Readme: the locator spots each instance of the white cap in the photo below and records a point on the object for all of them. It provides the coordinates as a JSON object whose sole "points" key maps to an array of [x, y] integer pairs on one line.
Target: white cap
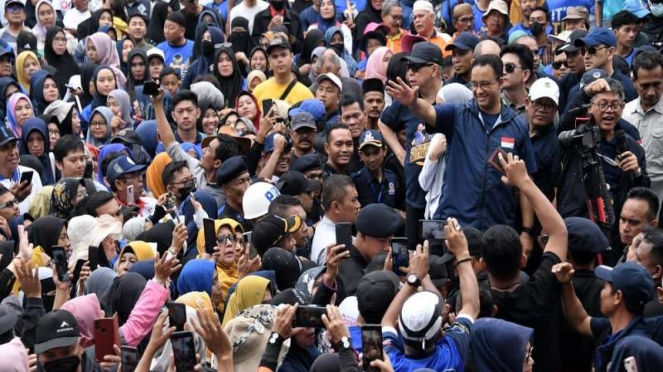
{"points": [[420, 318], [156, 52], [563, 37], [257, 198], [423, 5], [332, 77], [544, 88]]}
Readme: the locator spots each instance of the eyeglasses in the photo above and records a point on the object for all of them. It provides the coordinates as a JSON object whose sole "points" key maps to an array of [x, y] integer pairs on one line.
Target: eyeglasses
{"points": [[9, 204], [93, 124], [466, 19], [592, 50], [484, 85], [509, 68], [543, 107], [185, 181], [223, 239], [415, 67], [603, 107], [558, 64], [53, 132]]}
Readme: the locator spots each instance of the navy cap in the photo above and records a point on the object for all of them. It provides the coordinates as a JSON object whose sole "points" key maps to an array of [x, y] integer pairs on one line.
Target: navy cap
{"points": [[269, 143], [375, 292], [570, 45], [591, 76], [597, 36], [302, 120], [378, 221], [585, 236], [6, 136], [372, 85], [294, 183], [425, 52], [232, 168], [370, 138], [278, 42], [120, 166], [306, 163], [464, 41], [6, 49], [474, 238], [632, 279]]}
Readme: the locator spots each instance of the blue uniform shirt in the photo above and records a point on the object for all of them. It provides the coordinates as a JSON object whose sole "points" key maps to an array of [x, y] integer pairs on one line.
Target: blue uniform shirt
{"points": [[371, 190]]}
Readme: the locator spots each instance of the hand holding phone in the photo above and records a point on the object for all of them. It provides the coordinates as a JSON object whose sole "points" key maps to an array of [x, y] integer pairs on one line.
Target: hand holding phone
{"points": [[184, 351], [400, 255], [494, 160], [130, 195], [151, 88], [210, 236], [26, 176], [93, 257], [432, 229], [371, 339], [60, 260], [344, 235], [105, 336], [129, 357], [176, 315], [267, 107], [309, 316]]}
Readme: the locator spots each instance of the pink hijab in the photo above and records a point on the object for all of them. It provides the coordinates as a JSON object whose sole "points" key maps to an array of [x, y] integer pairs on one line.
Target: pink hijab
{"points": [[375, 69], [85, 309], [14, 356], [107, 50]]}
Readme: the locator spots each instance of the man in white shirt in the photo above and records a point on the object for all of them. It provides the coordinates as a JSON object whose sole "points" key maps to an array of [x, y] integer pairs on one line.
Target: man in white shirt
{"points": [[646, 113], [11, 173], [248, 9], [74, 16]]}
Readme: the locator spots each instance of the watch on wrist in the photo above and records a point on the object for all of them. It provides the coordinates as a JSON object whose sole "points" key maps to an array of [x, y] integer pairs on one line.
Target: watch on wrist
{"points": [[344, 343], [413, 280]]}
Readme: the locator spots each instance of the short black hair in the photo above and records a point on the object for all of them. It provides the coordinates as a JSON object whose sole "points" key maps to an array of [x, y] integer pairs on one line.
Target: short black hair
{"points": [[185, 95], [654, 236], [525, 56], [502, 251], [493, 61], [350, 99], [3, 190], [67, 144], [623, 18], [648, 196], [96, 200], [227, 148], [169, 71], [646, 61], [333, 189], [544, 10], [333, 128], [281, 204], [168, 175]]}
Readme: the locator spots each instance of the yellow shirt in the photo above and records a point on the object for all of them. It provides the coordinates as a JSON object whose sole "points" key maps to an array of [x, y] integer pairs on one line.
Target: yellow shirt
{"points": [[269, 89]]}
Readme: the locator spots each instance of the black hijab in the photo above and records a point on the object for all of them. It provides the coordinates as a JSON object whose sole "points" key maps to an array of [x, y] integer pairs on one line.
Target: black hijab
{"points": [[313, 38], [87, 73], [241, 41], [230, 86], [155, 30], [45, 232], [64, 64], [5, 82], [123, 295], [132, 83], [161, 233]]}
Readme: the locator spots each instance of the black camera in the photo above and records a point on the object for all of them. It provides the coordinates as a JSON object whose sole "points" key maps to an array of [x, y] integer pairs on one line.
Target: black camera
{"points": [[586, 135]]}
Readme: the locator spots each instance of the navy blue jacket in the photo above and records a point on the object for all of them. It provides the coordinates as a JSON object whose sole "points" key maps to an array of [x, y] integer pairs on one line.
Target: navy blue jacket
{"points": [[610, 342]]}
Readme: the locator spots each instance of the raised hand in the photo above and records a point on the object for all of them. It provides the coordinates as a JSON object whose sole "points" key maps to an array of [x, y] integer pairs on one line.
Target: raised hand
{"points": [[402, 92]]}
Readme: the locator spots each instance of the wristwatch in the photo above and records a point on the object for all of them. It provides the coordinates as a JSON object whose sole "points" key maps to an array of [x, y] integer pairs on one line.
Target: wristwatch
{"points": [[344, 343], [413, 280]]}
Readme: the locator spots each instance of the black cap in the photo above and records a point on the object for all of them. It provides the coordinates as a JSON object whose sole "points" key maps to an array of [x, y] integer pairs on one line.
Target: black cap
{"points": [[285, 264], [56, 329], [375, 292], [290, 296], [438, 271], [269, 231], [294, 183], [7, 322], [232, 168], [570, 45], [585, 236], [278, 42], [306, 163], [178, 18], [372, 85], [425, 52], [378, 220], [464, 41], [6, 136]]}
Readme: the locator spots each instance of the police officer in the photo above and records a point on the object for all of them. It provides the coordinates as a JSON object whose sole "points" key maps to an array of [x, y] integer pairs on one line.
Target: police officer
{"points": [[233, 178]]}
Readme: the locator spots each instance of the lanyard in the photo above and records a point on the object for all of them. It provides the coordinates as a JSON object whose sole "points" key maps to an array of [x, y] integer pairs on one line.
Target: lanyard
{"points": [[379, 195]]}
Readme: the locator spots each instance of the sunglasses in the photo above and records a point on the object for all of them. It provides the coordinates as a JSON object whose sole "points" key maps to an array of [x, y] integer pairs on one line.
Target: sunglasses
{"points": [[557, 65], [509, 68], [592, 50]]}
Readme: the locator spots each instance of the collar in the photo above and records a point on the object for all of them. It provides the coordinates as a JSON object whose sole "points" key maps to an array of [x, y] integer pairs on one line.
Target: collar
{"points": [[370, 177], [15, 176], [658, 107], [398, 36]]}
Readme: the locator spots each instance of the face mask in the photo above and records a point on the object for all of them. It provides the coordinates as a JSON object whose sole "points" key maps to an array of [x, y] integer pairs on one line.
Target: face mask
{"points": [[208, 48], [536, 28], [186, 190], [656, 9], [278, 5], [63, 365], [338, 48]]}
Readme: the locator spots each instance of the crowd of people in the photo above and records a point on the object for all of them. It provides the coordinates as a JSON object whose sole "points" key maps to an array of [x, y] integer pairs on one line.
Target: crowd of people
{"points": [[295, 186]]}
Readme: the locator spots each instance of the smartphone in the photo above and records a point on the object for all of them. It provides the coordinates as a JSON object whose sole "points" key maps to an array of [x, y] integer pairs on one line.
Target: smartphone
{"points": [[371, 340], [129, 358], [630, 364], [344, 234], [88, 170], [151, 88], [247, 237], [93, 257], [77, 271], [210, 236], [494, 160], [60, 259], [184, 350], [176, 315], [130, 195], [432, 229], [309, 316], [105, 336], [400, 256], [26, 177], [267, 106]]}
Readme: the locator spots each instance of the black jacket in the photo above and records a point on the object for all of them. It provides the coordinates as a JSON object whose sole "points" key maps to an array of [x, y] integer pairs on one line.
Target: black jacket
{"points": [[290, 21], [350, 273]]}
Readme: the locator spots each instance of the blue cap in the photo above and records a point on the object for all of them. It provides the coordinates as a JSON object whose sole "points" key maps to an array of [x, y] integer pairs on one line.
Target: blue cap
{"points": [[120, 166], [592, 75], [636, 7], [370, 137], [635, 282], [306, 163], [6, 49], [312, 106], [585, 236], [464, 41], [232, 168], [598, 36], [269, 143], [378, 220]]}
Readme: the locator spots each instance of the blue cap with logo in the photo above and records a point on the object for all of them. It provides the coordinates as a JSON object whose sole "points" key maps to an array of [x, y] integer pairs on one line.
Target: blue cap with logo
{"points": [[370, 137], [120, 166], [598, 36], [6, 136], [635, 282]]}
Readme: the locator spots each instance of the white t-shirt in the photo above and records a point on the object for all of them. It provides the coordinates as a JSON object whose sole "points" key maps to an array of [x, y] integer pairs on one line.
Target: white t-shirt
{"points": [[242, 10], [73, 17]]}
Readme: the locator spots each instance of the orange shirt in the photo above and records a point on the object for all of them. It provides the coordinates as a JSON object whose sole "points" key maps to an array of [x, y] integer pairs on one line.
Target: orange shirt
{"points": [[394, 42], [439, 41]]}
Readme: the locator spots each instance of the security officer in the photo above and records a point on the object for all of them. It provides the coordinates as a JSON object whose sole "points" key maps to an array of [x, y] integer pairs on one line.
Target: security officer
{"points": [[233, 178], [374, 183], [311, 167]]}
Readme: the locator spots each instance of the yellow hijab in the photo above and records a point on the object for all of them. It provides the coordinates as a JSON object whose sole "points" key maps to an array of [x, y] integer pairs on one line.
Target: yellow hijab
{"points": [[154, 172], [197, 300], [141, 249], [249, 292], [20, 60]]}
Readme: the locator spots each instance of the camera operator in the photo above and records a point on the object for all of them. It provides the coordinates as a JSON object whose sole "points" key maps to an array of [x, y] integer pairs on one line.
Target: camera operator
{"points": [[622, 159]]}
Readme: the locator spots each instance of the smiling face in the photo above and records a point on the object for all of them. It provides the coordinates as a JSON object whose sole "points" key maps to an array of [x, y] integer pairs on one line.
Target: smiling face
{"points": [[9, 157], [259, 61], [486, 87], [98, 126], [225, 246], [608, 117], [246, 107], [340, 147], [23, 111], [210, 121]]}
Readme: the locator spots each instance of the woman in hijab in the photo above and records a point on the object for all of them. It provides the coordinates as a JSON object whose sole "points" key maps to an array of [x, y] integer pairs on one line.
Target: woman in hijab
{"points": [[247, 107], [43, 90], [66, 193], [119, 103], [455, 93], [132, 253], [225, 69], [378, 61], [44, 233], [105, 82], [45, 19], [19, 110], [87, 74], [210, 36], [327, 18], [65, 116], [100, 49], [136, 72], [210, 116], [314, 38], [154, 172], [160, 11], [258, 60], [8, 86], [35, 142], [124, 47], [254, 79], [99, 130], [100, 282], [200, 276], [57, 56], [251, 290], [27, 64], [335, 38], [501, 346]]}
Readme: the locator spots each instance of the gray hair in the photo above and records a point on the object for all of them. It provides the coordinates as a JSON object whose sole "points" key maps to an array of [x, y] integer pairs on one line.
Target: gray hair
{"points": [[333, 58], [388, 6]]}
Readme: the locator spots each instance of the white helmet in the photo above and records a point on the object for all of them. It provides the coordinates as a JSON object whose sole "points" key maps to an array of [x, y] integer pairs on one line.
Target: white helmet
{"points": [[257, 198]]}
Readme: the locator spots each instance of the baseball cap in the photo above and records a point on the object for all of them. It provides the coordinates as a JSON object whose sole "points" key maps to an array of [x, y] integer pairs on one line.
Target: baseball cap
{"points": [[585, 236], [269, 143], [370, 138], [332, 77], [375, 292], [378, 220], [7, 322], [6, 136], [419, 319], [592, 75], [155, 52], [425, 52], [474, 238], [570, 45], [576, 12], [294, 183], [14, 2], [278, 43], [631, 278], [464, 41], [6, 49], [302, 120], [58, 328], [561, 37], [306, 163], [637, 7], [597, 36], [269, 231], [423, 5], [312, 106], [120, 166], [438, 271], [544, 88]]}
